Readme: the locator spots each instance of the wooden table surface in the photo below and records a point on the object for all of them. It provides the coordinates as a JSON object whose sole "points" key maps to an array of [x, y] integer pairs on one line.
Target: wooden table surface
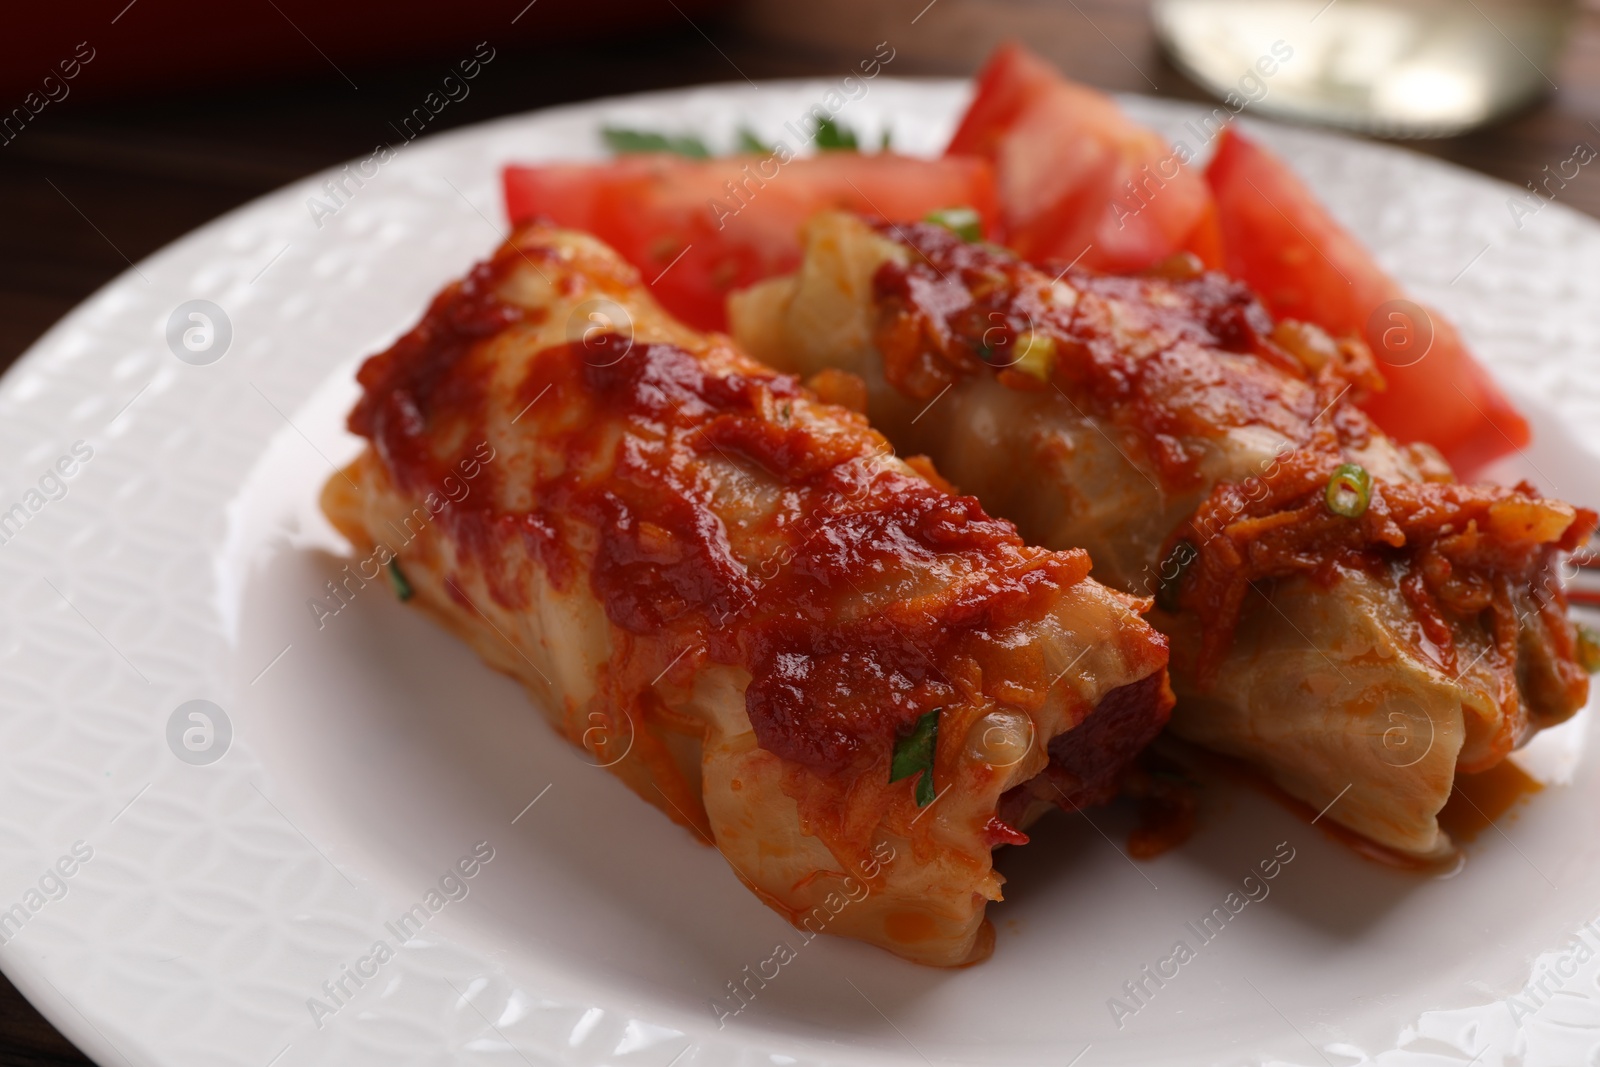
{"points": [[90, 189]]}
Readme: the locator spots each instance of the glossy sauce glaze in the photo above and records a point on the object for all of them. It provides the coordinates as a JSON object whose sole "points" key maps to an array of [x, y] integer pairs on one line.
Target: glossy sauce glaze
{"points": [[832, 685], [737, 600], [824, 686], [957, 308], [1177, 357]]}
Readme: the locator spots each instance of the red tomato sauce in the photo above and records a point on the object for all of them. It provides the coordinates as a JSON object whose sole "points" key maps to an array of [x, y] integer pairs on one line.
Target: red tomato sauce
{"points": [[846, 642], [960, 308], [1175, 357]]}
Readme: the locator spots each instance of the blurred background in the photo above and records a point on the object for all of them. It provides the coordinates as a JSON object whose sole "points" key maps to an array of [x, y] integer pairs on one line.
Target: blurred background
{"points": [[123, 125]]}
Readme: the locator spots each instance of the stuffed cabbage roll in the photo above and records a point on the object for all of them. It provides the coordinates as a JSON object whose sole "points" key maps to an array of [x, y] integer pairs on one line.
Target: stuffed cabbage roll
{"points": [[851, 681], [1344, 615]]}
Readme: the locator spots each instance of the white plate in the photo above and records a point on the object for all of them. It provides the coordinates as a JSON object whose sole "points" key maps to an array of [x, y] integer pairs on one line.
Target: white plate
{"points": [[371, 754]]}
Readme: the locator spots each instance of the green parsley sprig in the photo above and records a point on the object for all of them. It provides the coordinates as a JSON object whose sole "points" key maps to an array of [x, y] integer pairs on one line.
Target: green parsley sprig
{"points": [[913, 754]]}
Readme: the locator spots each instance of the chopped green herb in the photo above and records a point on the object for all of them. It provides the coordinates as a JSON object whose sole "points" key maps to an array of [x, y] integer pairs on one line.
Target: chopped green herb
{"points": [[1173, 569], [964, 222], [1588, 649], [1349, 490], [749, 142], [397, 579], [913, 754], [832, 137], [626, 142]]}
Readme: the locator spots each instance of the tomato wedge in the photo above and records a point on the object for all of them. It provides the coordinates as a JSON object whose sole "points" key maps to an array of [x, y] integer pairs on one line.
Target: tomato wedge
{"points": [[1076, 176], [1280, 241], [700, 228]]}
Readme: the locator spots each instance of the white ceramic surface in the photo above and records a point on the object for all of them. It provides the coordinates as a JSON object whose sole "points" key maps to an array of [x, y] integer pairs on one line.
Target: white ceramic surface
{"points": [[370, 754]]}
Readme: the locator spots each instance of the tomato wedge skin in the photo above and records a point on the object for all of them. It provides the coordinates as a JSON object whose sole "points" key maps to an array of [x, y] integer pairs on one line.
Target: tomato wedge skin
{"points": [[698, 229], [1078, 180], [1279, 240]]}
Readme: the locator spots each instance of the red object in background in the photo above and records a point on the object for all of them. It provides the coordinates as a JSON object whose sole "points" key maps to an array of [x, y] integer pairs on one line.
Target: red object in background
{"points": [[662, 214], [1075, 173], [185, 45], [1282, 242]]}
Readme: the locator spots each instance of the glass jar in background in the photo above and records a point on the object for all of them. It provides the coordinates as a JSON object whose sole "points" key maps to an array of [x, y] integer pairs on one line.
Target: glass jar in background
{"points": [[1395, 68]]}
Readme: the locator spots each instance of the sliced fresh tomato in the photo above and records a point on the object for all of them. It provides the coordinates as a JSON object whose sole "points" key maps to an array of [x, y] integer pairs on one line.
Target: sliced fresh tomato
{"points": [[700, 228], [1076, 176], [1282, 242]]}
